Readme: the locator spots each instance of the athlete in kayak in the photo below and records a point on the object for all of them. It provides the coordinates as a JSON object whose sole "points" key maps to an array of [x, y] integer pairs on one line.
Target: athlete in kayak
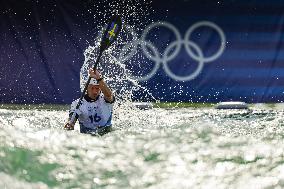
{"points": [[95, 112]]}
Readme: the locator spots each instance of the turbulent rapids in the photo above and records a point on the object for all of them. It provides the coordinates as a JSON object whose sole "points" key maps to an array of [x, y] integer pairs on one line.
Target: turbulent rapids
{"points": [[157, 148]]}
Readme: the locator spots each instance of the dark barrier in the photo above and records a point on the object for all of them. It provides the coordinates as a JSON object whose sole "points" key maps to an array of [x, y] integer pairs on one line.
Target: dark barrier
{"points": [[200, 51]]}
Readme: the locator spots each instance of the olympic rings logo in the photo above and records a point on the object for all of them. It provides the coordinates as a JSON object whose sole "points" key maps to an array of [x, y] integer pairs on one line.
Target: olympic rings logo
{"points": [[172, 50]]}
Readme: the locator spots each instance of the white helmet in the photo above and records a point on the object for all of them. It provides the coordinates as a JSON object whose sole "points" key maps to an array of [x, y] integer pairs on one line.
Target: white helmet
{"points": [[93, 81]]}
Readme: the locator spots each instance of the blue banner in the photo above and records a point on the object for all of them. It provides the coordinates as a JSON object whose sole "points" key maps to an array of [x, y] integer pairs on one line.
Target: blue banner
{"points": [[199, 51]]}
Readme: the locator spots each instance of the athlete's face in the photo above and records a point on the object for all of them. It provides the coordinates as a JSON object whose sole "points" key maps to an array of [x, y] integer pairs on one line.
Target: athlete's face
{"points": [[93, 91]]}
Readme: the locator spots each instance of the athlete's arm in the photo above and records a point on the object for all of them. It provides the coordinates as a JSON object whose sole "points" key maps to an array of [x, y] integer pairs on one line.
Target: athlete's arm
{"points": [[106, 91], [70, 124], [73, 116]]}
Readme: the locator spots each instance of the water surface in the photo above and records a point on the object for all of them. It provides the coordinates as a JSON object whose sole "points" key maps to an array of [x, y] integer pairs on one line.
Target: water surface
{"points": [[157, 148]]}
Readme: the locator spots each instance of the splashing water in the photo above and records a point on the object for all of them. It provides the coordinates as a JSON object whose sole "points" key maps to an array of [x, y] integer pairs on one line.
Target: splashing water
{"points": [[115, 72]]}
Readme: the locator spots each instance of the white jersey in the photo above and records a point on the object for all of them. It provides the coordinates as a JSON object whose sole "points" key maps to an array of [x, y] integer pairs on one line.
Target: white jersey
{"points": [[93, 113]]}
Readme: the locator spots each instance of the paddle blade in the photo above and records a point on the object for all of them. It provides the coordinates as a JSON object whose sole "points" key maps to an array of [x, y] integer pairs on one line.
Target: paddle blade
{"points": [[111, 32]]}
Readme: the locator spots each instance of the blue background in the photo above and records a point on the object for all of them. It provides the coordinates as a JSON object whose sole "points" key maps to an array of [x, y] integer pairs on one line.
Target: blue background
{"points": [[42, 46]]}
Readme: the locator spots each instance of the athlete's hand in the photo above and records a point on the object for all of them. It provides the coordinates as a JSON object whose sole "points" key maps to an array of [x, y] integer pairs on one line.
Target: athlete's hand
{"points": [[69, 126], [94, 74]]}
